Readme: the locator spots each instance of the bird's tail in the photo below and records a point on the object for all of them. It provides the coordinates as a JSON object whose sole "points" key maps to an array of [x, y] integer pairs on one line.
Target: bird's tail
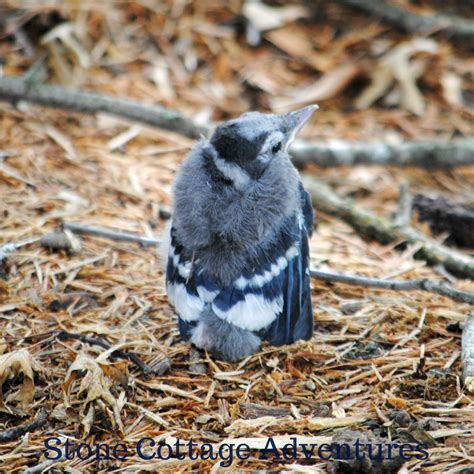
{"points": [[223, 339]]}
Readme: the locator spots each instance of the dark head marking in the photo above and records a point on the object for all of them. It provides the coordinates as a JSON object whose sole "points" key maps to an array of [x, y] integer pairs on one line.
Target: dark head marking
{"points": [[232, 143]]}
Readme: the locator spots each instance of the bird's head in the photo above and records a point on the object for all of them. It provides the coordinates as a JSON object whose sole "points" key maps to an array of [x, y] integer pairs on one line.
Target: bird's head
{"points": [[245, 147]]}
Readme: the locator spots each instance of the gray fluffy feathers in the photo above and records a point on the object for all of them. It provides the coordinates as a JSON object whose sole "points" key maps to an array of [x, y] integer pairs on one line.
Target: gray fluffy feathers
{"points": [[222, 226]]}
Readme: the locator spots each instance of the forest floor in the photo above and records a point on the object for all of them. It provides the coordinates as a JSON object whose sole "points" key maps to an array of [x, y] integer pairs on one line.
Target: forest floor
{"points": [[380, 362]]}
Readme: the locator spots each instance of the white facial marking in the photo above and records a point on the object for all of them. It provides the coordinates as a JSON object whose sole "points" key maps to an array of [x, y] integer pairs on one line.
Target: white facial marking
{"points": [[233, 172]]}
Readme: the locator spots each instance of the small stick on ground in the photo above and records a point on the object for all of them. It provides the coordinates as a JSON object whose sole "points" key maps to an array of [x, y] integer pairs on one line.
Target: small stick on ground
{"points": [[145, 368], [378, 228], [468, 354], [424, 154], [421, 284], [451, 26], [14, 89], [53, 241], [15, 433], [405, 202], [109, 234], [10, 247], [409, 285]]}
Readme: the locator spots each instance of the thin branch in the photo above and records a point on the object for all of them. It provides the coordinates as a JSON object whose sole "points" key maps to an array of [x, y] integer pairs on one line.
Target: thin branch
{"points": [[145, 368], [10, 247], [14, 89], [424, 154], [120, 236], [468, 353], [53, 241], [15, 433], [334, 153], [421, 284], [381, 229], [405, 202], [451, 26]]}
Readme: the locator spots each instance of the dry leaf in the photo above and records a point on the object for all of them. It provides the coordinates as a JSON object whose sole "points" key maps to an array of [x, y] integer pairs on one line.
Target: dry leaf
{"points": [[96, 386], [117, 371], [396, 67], [14, 363], [328, 86]]}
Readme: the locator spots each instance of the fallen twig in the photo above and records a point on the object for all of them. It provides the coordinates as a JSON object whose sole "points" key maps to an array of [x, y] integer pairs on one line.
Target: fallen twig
{"points": [[405, 202], [420, 284], [423, 284], [145, 368], [10, 247], [424, 154], [14, 89], [451, 26], [333, 153], [109, 234], [468, 353], [381, 229], [52, 241], [15, 433]]}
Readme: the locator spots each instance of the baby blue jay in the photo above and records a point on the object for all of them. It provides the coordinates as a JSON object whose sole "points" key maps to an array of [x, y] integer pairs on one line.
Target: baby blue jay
{"points": [[238, 260]]}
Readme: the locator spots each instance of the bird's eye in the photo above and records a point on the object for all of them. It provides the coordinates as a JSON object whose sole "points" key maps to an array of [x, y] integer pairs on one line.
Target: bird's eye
{"points": [[276, 148]]}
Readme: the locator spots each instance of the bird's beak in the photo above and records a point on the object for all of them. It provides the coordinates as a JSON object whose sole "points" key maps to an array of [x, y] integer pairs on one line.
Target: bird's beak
{"points": [[293, 122]]}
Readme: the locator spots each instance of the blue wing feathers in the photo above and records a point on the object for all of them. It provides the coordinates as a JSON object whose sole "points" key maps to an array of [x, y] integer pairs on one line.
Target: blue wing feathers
{"points": [[289, 297]]}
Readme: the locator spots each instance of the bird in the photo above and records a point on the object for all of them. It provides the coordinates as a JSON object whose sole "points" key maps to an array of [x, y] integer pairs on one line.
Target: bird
{"points": [[237, 267]]}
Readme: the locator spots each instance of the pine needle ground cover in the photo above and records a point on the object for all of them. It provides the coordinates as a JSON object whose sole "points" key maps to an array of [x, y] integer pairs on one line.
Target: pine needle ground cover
{"points": [[89, 347]]}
